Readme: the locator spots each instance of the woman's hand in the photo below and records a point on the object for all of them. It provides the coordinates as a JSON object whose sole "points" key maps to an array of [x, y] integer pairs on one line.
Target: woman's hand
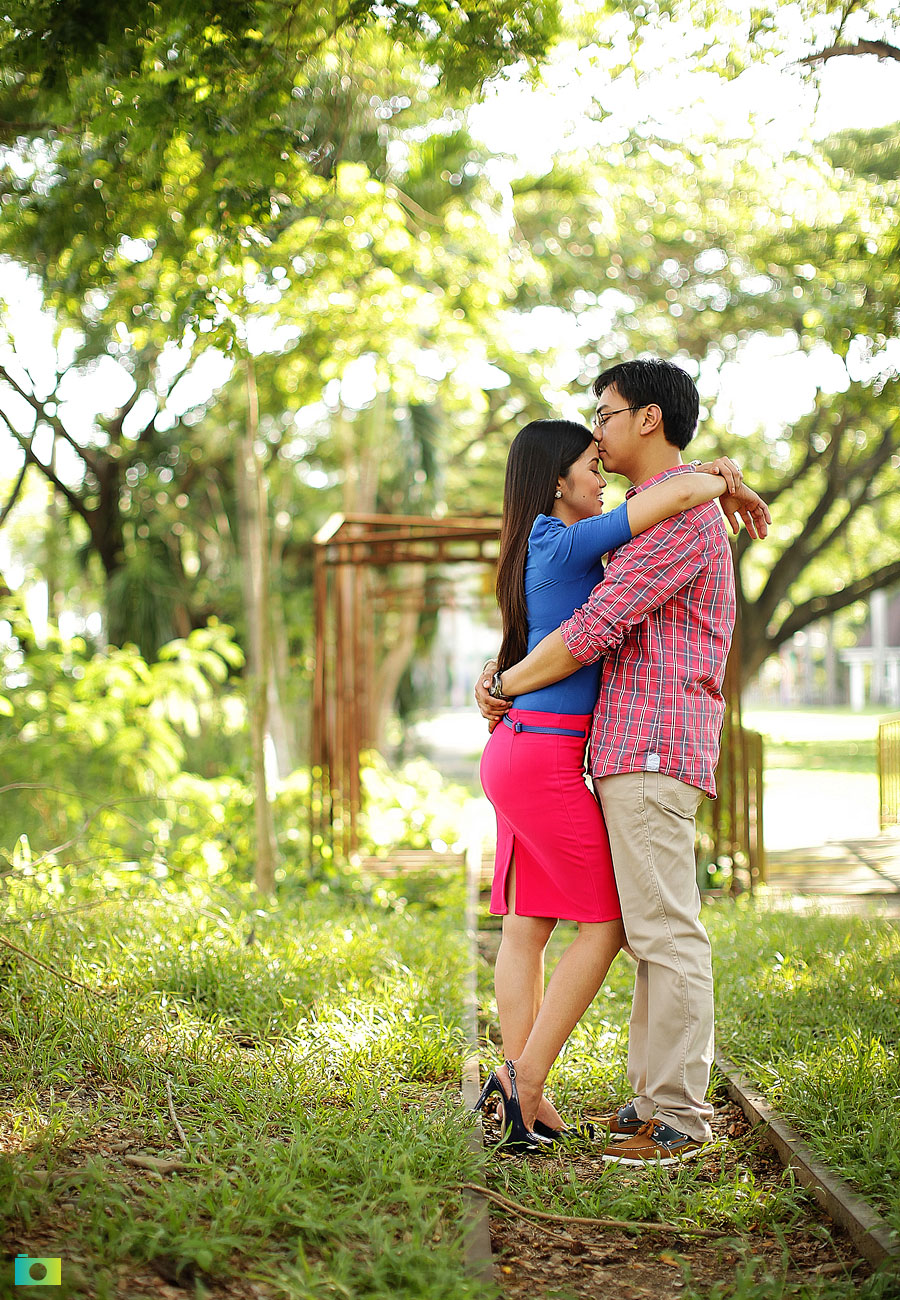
{"points": [[747, 505], [725, 466], [488, 707]]}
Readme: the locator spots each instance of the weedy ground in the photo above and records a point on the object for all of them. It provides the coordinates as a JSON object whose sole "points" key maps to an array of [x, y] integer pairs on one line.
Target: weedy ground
{"points": [[808, 1007], [262, 1101], [310, 1054]]}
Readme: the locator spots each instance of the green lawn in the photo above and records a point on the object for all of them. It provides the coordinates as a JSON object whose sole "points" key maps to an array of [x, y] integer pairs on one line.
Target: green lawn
{"points": [[312, 1051], [820, 774], [809, 1007], [314, 1072]]}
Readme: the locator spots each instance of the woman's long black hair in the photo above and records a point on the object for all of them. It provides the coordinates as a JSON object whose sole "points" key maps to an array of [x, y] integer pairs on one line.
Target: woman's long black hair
{"points": [[539, 455]]}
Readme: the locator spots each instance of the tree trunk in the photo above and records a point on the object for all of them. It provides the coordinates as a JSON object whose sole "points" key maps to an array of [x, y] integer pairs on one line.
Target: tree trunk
{"points": [[54, 592], [365, 443], [251, 493], [284, 734]]}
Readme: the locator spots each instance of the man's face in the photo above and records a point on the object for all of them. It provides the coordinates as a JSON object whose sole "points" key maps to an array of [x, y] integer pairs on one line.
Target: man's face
{"points": [[616, 430]]}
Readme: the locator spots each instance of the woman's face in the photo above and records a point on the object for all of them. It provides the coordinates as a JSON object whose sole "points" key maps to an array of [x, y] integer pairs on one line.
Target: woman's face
{"points": [[582, 488]]}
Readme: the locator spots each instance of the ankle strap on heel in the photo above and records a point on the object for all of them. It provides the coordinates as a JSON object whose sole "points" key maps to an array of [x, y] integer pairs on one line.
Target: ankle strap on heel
{"points": [[511, 1071]]}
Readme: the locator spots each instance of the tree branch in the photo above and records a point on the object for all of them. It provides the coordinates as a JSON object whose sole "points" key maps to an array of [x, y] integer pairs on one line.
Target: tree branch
{"points": [[820, 606], [145, 433], [35, 128], [14, 495], [881, 50], [794, 558], [847, 11], [771, 494], [31, 459], [99, 993], [114, 426], [55, 423], [860, 478], [545, 1216]]}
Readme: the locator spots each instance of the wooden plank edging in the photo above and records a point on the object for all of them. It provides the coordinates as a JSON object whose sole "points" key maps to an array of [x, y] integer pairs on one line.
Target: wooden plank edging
{"points": [[479, 1257], [872, 1236]]}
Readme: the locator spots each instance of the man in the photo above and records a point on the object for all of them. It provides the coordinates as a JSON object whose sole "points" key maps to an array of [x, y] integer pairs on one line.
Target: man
{"points": [[662, 621]]}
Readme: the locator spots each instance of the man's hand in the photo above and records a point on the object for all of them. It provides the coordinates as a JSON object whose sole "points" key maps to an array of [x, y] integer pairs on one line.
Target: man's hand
{"points": [[488, 707], [747, 505], [727, 468]]}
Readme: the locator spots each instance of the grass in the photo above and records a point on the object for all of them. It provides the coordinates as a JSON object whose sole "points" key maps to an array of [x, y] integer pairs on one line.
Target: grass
{"points": [[313, 1053], [810, 1008], [820, 780], [817, 741], [314, 1071]]}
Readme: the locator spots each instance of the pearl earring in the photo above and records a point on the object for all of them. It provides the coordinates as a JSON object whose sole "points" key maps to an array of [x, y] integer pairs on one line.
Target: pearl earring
{"points": [[557, 494]]}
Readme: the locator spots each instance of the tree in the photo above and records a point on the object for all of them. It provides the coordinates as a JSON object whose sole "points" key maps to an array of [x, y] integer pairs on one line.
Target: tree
{"points": [[200, 131], [194, 180], [694, 252], [125, 476], [733, 36]]}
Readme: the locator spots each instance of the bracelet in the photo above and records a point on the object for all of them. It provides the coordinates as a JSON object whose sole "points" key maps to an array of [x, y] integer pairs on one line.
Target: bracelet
{"points": [[495, 690]]}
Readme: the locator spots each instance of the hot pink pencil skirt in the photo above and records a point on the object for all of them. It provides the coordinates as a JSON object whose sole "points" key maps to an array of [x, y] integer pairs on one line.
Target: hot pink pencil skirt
{"points": [[532, 770]]}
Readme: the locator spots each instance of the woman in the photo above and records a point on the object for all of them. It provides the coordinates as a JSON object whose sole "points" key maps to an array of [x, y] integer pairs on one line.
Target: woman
{"points": [[553, 859]]}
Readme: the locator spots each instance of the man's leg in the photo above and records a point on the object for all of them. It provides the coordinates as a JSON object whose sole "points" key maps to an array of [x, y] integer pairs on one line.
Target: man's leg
{"points": [[638, 1038], [650, 819]]}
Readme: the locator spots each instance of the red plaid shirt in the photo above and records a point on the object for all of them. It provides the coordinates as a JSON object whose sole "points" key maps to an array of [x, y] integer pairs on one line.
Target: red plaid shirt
{"points": [[662, 620]]}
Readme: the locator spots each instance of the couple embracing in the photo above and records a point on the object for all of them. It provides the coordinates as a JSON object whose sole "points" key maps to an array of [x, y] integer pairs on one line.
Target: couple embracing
{"points": [[637, 672]]}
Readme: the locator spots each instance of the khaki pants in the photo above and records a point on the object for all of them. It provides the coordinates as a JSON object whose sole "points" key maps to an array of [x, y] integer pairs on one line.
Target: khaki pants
{"points": [[650, 819]]}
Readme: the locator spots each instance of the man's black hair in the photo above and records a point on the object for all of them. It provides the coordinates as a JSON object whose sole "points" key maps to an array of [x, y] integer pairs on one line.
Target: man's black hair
{"points": [[662, 383]]}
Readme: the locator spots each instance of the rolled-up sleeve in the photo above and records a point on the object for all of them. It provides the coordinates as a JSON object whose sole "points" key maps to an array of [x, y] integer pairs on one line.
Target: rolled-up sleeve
{"points": [[640, 577]]}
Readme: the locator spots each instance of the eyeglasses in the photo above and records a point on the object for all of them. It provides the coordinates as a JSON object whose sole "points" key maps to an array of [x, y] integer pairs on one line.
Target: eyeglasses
{"points": [[602, 418]]}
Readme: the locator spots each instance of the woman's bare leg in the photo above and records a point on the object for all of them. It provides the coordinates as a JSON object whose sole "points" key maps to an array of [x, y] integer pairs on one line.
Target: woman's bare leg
{"points": [[519, 974], [572, 988]]}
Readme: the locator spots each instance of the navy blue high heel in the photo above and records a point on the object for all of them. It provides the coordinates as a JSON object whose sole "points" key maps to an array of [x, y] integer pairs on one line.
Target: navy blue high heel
{"points": [[516, 1137]]}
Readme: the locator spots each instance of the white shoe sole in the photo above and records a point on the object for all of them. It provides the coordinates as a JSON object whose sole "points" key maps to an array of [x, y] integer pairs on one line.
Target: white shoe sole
{"points": [[639, 1162]]}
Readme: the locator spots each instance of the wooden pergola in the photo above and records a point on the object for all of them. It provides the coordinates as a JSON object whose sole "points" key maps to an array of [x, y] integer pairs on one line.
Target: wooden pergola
{"points": [[349, 549]]}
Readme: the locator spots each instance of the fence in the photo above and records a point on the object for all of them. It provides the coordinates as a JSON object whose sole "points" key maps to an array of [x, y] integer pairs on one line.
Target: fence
{"points": [[889, 773], [730, 846]]}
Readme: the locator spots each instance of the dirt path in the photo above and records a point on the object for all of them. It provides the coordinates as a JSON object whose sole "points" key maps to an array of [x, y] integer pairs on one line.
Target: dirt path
{"points": [[588, 1262], [797, 1245]]}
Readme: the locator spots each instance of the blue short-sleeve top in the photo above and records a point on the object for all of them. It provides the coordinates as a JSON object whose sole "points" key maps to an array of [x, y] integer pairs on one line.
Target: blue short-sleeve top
{"points": [[563, 567]]}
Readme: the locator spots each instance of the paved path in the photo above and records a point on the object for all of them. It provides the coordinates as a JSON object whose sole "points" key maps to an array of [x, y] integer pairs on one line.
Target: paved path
{"points": [[843, 875]]}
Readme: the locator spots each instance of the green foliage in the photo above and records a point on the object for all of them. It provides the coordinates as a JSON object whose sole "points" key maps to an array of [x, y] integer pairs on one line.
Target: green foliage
{"points": [[142, 597], [186, 129], [689, 250], [730, 37], [303, 187], [91, 733], [94, 746], [410, 807]]}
